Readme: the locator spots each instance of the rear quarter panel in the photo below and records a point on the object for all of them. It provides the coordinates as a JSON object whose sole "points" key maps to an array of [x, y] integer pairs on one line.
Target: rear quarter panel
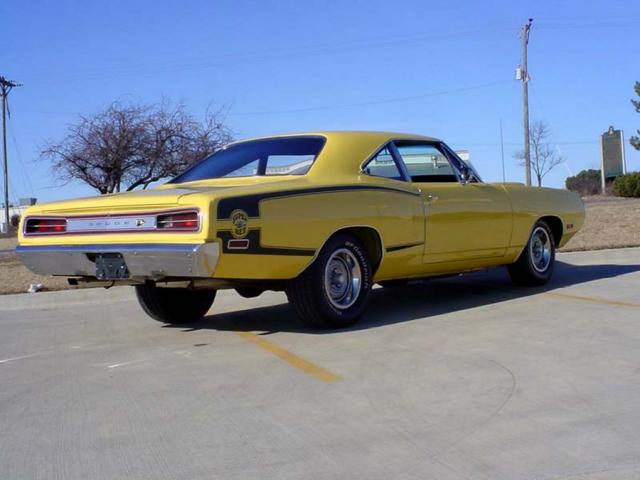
{"points": [[532, 203], [302, 222]]}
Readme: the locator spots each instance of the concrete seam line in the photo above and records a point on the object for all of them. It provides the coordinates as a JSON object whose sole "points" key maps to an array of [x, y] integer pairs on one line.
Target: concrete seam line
{"points": [[292, 359], [570, 296], [593, 299]]}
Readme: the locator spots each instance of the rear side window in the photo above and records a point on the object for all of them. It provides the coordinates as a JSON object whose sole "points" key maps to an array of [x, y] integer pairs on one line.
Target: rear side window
{"points": [[383, 165], [270, 156], [289, 164]]}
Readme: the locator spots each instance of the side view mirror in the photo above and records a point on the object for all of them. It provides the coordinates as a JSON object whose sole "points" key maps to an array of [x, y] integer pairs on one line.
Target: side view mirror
{"points": [[466, 175]]}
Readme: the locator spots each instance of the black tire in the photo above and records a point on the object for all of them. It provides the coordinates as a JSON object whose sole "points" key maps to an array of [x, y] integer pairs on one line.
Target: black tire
{"points": [[174, 305], [249, 292], [531, 269], [308, 294]]}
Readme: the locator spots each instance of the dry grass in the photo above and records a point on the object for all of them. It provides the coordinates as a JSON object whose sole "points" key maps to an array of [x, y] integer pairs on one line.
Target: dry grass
{"points": [[8, 243], [610, 223], [15, 278]]}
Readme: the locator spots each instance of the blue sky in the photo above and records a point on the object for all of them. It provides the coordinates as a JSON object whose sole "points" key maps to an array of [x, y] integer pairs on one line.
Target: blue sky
{"points": [[444, 69]]}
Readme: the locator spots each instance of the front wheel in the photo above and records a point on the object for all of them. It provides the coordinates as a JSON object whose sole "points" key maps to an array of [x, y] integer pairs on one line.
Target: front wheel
{"points": [[174, 305], [334, 291], [535, 264]]}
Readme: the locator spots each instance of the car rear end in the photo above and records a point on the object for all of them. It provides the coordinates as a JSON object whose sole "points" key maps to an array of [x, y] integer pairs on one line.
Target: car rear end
{"points": [[130, 237], [226, 222]]}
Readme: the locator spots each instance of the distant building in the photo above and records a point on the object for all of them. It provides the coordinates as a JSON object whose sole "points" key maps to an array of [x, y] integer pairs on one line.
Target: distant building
{"points": [[464, 155], [23, 204]]}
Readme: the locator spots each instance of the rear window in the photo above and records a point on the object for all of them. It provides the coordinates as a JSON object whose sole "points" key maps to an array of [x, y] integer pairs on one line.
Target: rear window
{"points": [[272, 156]]}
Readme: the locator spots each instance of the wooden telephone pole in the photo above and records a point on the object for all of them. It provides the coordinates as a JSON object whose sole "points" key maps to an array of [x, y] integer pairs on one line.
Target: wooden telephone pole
{"points": [[524, 77], [5, 87]]}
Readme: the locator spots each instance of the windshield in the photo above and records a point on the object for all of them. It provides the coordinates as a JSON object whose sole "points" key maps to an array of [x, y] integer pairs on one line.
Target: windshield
{"points": [[272, 156]]}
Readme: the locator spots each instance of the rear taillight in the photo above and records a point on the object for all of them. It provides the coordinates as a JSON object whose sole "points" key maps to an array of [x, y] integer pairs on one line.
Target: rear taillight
{"points": [[182, 221], [36, 226]]}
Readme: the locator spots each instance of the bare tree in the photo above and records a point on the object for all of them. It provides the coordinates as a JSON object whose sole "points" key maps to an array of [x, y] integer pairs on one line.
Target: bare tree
{"points": [[128, 146], [635, 139], [544, 156]]}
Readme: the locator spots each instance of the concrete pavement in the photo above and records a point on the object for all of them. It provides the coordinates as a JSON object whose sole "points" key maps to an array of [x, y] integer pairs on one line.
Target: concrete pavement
{"points": [[460, 378]]}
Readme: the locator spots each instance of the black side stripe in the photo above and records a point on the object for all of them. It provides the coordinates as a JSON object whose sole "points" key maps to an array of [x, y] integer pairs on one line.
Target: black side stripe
{"points": [[255, 248], [395, 248], [250, 203]]}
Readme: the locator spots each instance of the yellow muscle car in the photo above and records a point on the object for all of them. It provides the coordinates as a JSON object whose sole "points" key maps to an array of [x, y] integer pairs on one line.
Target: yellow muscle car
{"points": [[322, 216]]}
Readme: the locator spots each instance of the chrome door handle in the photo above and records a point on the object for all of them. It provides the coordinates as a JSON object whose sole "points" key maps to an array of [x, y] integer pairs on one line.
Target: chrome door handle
{"points": [[431, 198]]}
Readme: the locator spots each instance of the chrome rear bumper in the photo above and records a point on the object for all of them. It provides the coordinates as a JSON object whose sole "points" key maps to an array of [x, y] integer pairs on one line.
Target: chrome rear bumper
{"points": [[143, 260]]}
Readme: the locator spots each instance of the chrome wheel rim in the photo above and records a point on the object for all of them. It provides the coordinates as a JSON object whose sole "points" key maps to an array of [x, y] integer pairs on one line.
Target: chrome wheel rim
{"points": [[540, 249], [342, 279]]}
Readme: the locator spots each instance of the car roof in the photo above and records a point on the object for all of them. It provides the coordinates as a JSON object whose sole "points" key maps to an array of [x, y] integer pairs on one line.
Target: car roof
{"points": [[346, 150], [371, 135]]}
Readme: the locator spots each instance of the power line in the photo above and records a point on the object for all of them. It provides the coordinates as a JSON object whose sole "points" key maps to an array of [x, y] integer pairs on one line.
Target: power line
{"points": [[14, 195], [517, 144], [46, 112], [167, 65], [329, 107], [372, 102], [24, 167], [623, 23], [162, 66]]}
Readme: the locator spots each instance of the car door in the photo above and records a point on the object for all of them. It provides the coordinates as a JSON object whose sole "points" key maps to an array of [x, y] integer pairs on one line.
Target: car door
{"points": [[400, 217], [464, 220]]}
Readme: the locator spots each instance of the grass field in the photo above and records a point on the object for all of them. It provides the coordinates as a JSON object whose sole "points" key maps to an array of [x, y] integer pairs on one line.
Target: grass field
{"points": [[611, 222], [7, 243], [15, 278]]}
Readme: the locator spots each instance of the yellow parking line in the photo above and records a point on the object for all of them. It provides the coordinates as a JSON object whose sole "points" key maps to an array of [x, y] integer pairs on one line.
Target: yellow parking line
{"points": [[291, 358], [593, 299]]}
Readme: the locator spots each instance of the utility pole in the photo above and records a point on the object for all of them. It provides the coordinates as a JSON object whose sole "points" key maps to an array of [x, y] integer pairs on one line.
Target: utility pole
{"points": [[502, 152], [5, 88], [523, 74]]}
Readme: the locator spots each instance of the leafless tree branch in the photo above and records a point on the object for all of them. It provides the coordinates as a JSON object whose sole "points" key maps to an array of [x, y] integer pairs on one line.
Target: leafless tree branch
{"points": [[129, 146], [544, 156]]}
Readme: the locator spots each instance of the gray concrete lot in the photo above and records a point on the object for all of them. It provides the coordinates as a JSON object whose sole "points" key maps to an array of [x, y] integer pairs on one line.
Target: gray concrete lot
{"points": [[459, 378]]}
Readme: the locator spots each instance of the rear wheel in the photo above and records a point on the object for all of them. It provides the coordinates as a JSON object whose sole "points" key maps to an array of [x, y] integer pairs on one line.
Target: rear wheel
{"points": [[249, 292], [334, 291], [535, 265], [174, 305]]}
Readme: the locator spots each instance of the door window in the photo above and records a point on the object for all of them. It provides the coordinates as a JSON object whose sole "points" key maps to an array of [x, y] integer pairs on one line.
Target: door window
{"points": [[425, 162]]}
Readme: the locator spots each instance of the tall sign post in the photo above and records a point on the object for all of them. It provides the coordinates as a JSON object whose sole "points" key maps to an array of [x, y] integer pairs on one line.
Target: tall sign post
{"points": [[613, 156]]}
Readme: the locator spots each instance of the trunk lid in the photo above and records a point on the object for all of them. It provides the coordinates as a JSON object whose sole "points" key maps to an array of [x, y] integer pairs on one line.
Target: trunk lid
{"points": [[129, 201], [162, 197]]}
